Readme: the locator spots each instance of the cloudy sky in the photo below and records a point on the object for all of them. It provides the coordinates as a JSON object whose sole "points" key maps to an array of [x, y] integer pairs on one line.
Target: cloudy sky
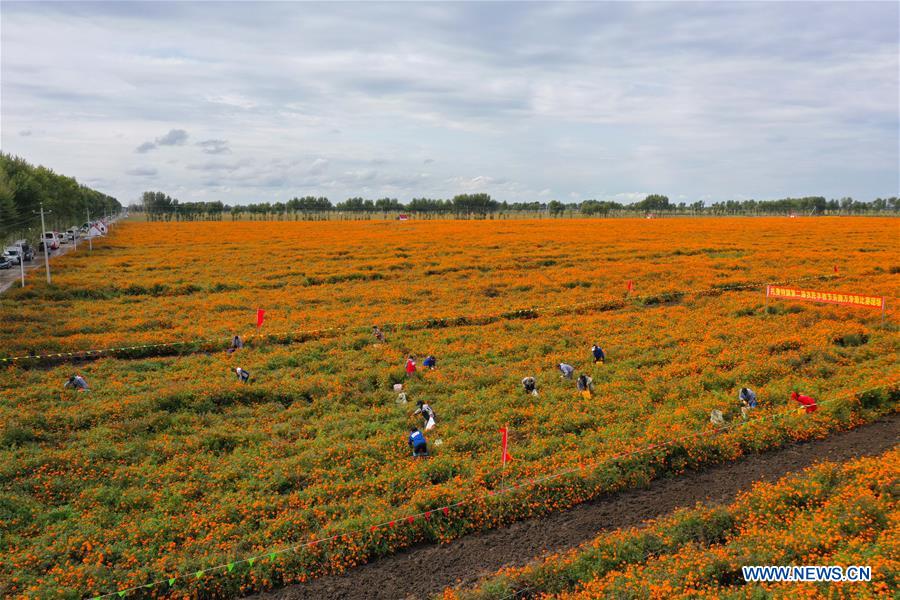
{"points": [[251, 102]]}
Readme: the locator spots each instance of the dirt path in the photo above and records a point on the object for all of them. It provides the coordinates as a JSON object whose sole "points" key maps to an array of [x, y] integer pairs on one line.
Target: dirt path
{"points": [[424, 570]]}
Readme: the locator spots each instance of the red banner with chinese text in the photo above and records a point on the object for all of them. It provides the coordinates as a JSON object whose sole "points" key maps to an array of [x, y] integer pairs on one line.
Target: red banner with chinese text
{"points": [[777, 291]]}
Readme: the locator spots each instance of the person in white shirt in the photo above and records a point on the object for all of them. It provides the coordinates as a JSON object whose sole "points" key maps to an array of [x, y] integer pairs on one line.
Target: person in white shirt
{"points": [[243, 375], [78, 383], [427, 413]]}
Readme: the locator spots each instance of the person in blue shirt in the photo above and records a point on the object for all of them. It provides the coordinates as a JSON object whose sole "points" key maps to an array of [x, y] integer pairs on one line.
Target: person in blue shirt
{"points": [[566, 370], [748, 401], [429, 362], [599, 355], [417, 443]]}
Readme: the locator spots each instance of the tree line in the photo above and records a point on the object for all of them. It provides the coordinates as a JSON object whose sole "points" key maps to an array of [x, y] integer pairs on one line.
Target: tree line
{"points": [[24, 187], [160, 206]]}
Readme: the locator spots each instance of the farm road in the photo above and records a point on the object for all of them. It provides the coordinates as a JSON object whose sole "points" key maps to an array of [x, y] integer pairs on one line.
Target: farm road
{"points": [[426, 569]]}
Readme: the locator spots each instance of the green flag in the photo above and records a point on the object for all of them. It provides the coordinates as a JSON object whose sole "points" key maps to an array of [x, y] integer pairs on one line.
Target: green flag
{"points": [[251, 561], [171, 581], [230, 567], [199, 574], [272, 555], [122, 594]]}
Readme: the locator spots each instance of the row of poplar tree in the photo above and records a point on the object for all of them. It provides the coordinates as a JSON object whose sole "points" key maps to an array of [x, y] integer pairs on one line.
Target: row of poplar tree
{"points": [[24, 187], [161, 206]]}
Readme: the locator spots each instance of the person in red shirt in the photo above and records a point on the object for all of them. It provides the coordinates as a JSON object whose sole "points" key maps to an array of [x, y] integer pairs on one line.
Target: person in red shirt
{"points": [[808, 403], [410, 366]]}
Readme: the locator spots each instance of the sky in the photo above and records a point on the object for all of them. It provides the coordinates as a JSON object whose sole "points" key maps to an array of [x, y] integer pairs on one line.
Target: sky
{"points": [[260, 102]]}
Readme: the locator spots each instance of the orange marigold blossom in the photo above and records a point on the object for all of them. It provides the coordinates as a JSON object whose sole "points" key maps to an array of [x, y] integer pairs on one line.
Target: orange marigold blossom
{"points": [[169, 465]]}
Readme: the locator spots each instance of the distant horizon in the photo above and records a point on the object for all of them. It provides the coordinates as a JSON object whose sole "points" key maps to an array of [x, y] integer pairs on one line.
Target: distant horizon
{"points": [[544, 202], [260, 102]]}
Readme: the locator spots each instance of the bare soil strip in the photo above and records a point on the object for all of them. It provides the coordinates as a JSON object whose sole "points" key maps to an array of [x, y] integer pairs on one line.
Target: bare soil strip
{"points": [[427, 569]]}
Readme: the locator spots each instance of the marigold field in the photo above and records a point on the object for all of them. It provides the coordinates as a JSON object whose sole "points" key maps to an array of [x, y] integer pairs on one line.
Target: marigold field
{"points": [[170, 466], [830, 514]]}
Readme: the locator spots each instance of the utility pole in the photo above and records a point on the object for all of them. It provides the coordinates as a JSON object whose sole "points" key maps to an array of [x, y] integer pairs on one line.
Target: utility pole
{"points": [[90, 237], [46, 244], [22, 264]]}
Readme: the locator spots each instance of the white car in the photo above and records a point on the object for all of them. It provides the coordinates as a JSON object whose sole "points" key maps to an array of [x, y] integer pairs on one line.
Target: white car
{"points": [[50, 240], [14, 255], [23, 248]]}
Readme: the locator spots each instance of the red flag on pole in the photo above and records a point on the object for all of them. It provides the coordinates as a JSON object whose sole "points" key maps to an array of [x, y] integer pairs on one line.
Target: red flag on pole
{"points": [[835, 269], [630, 285], [260, 315], [505, 457]]}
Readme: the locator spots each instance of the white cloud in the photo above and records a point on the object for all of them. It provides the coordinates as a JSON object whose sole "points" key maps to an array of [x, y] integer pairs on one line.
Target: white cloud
{"points": [[691, 100]]}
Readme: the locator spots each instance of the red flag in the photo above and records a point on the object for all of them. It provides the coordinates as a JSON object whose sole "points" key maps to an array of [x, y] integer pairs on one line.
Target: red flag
{"points": [[630, 285], [835, 269], [505, 457], [260, 315]]}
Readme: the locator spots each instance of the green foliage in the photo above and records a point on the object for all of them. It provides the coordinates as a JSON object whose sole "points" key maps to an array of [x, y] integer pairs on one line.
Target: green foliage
{"points": [[852, 339], [23, 187]]}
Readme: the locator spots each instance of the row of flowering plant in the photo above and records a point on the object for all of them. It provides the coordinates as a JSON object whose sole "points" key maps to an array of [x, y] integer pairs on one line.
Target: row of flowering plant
{"points": [[829, 514], [171, 466]]}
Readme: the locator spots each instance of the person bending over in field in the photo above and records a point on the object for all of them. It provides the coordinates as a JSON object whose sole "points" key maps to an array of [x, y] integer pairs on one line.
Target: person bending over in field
{"points": [[242, 375], [809, 403], [585, 385], [566, 370], [716, 418], [410, 366], [78, 383], [379, 335], [430, 362], [598, 354], [427, 413], [236, 344], [530, 386], [417, 443], [748, 401]]}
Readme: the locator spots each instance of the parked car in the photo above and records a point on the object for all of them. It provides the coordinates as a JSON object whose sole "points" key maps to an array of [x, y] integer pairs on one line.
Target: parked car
{"points": [[72, 233], [26, 249], [13, 254], [51, 240], [4, 263]]}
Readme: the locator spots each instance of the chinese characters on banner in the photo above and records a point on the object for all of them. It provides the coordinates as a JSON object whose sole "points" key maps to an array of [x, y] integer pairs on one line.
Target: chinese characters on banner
{"points": [[774, 291]]}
